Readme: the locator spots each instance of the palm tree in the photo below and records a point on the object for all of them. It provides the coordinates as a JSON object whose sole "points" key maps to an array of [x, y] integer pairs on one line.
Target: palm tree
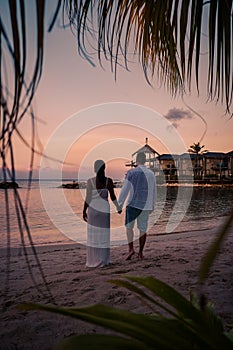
{"points": [[198, 150], [165, 36]]}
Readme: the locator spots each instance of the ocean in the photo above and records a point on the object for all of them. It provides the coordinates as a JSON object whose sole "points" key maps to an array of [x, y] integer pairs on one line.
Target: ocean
{"points": [[54, 214]]}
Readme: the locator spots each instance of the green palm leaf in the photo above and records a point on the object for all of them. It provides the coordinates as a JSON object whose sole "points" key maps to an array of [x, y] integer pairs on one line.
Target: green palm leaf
{"points": [[190, 328], [98, 341], [201, 323], [150, 331], [214, 249]]}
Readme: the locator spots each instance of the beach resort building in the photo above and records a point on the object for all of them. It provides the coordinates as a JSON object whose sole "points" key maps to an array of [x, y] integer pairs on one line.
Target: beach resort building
{"points": [[152, 161], [202, 167]]}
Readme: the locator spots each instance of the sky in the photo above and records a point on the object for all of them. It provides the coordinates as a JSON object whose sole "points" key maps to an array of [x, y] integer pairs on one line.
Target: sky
{"points": [[71, 86]]}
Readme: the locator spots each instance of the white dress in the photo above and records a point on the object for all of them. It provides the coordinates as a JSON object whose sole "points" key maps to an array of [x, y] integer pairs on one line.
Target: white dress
{"points": [[98, 229]]}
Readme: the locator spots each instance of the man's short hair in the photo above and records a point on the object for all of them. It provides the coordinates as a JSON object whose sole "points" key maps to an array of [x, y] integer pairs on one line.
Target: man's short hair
{"points": [[141, 158]]}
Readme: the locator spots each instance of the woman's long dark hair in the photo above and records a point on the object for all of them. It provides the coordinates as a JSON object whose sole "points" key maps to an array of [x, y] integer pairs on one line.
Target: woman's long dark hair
{"points": [[99, 168]]}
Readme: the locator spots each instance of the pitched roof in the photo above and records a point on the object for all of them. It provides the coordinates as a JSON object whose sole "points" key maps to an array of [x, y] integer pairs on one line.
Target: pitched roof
{"points": [[146, 148], [230, 154], [214, 155], [167, 156], [189, 156]]}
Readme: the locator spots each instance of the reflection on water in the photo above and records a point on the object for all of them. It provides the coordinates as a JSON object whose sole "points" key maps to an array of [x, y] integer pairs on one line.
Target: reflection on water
{"points": [[207, 202], [205, 208], [207, 205]]}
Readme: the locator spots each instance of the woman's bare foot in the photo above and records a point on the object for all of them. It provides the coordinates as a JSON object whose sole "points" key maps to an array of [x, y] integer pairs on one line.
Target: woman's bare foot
{"points": [[129, 256], [140, 256]]}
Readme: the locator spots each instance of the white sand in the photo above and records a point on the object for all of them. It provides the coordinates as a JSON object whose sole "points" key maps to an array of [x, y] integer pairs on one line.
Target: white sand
{"points": [[173, 258]]}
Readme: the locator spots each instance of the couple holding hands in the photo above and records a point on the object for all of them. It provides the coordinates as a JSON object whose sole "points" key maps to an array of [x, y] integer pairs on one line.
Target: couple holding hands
{"points": [[140, 188]]}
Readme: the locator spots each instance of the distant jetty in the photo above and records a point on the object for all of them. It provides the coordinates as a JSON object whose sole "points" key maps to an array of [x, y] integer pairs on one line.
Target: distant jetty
{"points": [[8, 184], [83, 184], [74, 185], [161, 181]]}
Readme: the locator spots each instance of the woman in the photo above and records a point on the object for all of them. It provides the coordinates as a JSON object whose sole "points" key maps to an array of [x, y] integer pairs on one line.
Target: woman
{"points": [[98, 216]]}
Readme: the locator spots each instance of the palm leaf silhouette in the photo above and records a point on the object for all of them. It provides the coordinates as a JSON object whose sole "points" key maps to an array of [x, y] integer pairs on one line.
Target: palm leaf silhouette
{"points": [[165, 36]]}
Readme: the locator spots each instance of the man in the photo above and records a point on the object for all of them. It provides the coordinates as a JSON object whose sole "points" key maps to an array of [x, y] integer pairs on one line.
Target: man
{"points": [[140, 188]]}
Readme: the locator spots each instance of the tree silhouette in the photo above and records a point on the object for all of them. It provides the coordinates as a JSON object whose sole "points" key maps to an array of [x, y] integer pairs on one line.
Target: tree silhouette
{"points": [[198, 150], [166, 37]]}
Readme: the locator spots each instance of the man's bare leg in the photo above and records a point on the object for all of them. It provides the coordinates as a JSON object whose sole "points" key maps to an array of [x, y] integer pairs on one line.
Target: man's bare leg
{"points": [[142, 241], [130, 235]]}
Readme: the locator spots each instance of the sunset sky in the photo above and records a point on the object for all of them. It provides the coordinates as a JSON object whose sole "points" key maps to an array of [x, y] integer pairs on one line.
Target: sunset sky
{"points": [[71, 85]]}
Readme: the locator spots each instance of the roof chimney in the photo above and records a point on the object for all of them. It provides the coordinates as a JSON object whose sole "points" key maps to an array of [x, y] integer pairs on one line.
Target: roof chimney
{"points": [[146, 140]]}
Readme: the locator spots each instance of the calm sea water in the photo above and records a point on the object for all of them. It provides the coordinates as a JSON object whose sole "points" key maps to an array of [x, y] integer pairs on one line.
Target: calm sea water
{"points": [[54, 215]]}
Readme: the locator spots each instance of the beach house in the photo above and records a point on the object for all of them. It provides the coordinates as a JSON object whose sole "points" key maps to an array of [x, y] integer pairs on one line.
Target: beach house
{"points": [[202, 167], [152, 161]]}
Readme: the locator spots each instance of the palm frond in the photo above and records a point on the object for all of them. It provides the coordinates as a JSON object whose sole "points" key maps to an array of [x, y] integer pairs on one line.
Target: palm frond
{"points": [[187, 328], [15, 105], [214, 249], [166, 36]]}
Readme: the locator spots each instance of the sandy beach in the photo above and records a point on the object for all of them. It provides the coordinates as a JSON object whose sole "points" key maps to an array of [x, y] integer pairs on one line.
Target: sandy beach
{"points": [[173, 258]]}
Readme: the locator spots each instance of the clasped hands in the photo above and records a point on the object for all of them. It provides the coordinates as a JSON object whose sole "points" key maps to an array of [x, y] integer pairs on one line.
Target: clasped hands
{"points": [[119, 210]]}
